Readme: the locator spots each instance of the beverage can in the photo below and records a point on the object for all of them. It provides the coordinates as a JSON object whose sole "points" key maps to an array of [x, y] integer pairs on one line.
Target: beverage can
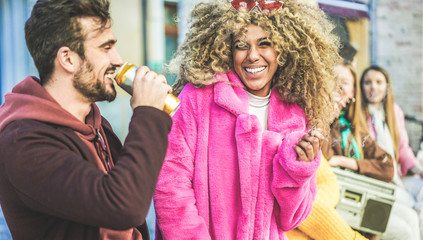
{"points": [[125, 78]]}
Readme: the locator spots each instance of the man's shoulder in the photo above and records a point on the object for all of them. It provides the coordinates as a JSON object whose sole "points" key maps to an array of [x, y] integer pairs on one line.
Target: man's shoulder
{"points": [[24, 127], [26, 134], [22, 123]]}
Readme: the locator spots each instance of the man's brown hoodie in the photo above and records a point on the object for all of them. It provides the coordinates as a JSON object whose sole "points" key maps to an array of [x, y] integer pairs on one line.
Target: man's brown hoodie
{"points": [[55, 181]]}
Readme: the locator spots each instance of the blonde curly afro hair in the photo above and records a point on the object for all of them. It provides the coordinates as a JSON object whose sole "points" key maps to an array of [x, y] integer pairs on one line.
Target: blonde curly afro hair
{"points": [[301, 35]]}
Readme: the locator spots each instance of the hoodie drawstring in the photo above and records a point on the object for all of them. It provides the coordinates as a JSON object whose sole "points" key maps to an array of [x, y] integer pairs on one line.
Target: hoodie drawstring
{"points": [[103, 146]]}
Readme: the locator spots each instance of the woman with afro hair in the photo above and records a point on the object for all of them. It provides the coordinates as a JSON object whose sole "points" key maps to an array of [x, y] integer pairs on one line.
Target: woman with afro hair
{"points": [[256, 84]]}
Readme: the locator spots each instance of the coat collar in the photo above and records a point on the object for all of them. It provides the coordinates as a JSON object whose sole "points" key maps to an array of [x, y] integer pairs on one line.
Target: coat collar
{"points": [[230, 94]]}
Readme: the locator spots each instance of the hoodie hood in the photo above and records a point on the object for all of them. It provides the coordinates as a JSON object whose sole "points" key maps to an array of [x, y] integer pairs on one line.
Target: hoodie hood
{"points": [[29, 100]]}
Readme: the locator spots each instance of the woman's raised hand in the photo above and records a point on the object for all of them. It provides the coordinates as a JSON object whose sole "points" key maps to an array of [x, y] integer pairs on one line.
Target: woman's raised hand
{"points": [[309, 145]]}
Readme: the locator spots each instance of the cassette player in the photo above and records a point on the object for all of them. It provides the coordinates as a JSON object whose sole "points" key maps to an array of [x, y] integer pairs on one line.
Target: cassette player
{"points": [[365, 203]]}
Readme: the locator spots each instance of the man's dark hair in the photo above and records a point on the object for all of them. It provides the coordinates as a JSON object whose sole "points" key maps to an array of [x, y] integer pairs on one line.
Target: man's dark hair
{"points": [[54, 24]]}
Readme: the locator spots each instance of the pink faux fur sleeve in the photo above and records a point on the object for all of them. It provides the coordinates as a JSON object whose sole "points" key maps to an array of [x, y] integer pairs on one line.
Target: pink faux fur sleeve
{"points": [[294, 184]]}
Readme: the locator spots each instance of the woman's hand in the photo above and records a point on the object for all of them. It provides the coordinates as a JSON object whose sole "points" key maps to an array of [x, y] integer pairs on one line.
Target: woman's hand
{"points": [[345, 162], [309, 145]]}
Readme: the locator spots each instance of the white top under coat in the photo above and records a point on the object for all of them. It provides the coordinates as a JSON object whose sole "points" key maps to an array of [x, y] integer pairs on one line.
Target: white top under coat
{"points": [[259, 106]]}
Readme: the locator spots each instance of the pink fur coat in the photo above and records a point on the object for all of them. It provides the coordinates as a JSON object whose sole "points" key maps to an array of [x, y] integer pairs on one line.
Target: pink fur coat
{"points": [[223, 178]]}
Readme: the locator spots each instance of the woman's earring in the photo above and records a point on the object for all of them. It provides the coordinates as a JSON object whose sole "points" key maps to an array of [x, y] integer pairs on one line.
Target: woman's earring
{"points": [[350, 100]]}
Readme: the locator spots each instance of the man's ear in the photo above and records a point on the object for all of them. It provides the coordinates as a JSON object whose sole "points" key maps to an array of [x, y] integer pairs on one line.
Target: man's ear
{"points": [[67, 59]]}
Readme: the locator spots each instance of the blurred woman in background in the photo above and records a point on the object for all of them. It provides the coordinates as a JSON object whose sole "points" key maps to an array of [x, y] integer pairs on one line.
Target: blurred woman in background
{"points": [[351, 147], [386, 123]]}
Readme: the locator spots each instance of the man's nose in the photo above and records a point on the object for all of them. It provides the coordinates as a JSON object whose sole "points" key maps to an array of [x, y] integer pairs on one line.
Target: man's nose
{"points": [[115, 58]]}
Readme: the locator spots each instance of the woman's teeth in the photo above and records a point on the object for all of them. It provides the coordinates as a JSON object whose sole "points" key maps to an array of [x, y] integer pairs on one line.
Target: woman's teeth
{"points": [[254, 70]]}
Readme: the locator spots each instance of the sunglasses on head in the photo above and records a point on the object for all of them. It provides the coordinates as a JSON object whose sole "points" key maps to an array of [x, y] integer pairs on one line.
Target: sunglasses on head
{"points": [[262, 5]]}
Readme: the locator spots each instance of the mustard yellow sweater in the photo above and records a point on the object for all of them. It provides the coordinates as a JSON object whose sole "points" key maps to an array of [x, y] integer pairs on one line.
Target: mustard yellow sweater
{"points": [[324, 222]]}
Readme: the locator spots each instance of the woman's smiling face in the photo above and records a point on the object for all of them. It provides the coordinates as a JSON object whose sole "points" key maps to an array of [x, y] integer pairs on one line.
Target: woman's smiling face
{"points": [[255, 60], [375, 87], [346, 79]]}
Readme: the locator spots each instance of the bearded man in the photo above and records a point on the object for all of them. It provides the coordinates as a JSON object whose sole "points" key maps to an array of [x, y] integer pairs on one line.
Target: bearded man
{"points": [[63, 172]]}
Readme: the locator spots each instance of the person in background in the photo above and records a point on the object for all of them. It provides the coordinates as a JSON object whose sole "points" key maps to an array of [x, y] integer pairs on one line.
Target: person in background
{"points": [[324, 222], [386, 123], [63, 172], [348, 146], [351, 147], [243, 152], [348, 54]]}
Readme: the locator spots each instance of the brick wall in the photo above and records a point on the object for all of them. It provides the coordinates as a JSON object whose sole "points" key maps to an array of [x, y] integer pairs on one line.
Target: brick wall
{"points": [[399, 50]]}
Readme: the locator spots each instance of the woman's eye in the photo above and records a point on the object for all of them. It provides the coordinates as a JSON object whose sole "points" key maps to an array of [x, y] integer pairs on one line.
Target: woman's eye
{"points": [[241, 46], [267, 44]]}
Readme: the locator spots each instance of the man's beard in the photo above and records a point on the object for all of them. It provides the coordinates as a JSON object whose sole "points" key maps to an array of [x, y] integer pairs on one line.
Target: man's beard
{"points": [[90, 87]]}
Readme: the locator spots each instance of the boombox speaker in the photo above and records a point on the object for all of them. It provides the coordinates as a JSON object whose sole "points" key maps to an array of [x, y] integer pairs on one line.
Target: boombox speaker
{"points": [[365, 203], [376, 215]]}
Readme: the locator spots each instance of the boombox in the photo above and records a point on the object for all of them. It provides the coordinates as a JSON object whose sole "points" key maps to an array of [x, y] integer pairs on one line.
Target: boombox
{"points": [[365, 203]]}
